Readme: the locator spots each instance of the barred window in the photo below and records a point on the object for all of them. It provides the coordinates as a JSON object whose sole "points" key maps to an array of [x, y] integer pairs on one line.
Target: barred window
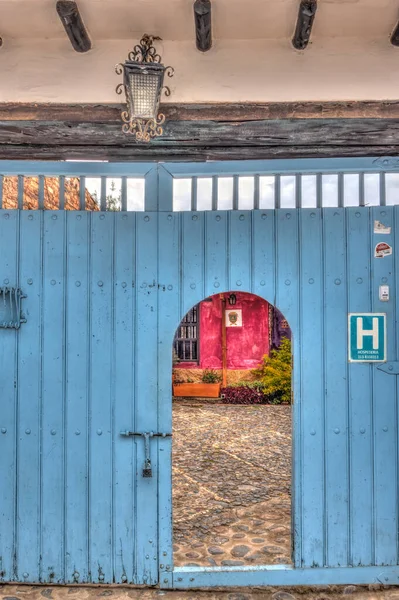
{"points": [[186, 342]]}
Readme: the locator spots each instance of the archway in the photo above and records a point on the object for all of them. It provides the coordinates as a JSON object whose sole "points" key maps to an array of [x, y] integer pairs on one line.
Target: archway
{"points": [[232, 434]]}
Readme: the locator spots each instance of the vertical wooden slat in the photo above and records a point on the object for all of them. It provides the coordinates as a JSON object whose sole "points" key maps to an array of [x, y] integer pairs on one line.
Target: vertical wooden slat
{"points": [[360, 386], [77, 371], [383, 189], [41, 192], [1, 191], [123, 397], [312, 384], [169, 292], [385, 404], [287, 300], [194, 190], [20, 198], [29, 406], [216, 253], [193, 254], [9, 433], [235, 192], [336, 376], [263, 255], [124, 193], [319, 190], [298, 190], [101, 426], [53, 346], [215, 192], [340, 189], [394, 289], [239, 237], [361, 189], [256, 192], [61, 199], [277, 191], [146, 568], [103, 194], [82, 193]]}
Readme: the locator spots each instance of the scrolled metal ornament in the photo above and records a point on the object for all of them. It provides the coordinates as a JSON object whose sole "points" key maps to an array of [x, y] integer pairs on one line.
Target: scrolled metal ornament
{"points": [[143, 76]]}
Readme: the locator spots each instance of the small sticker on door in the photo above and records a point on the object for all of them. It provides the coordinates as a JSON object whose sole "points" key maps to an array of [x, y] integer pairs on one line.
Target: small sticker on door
{"points": [[382, 249], [381, 228]]}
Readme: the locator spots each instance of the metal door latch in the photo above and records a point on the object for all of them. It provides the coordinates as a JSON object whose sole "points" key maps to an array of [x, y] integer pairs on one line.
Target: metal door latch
{"points": [[147, 435]]}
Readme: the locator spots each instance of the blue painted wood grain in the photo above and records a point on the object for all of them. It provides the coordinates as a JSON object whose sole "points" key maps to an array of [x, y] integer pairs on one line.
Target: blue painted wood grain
{"points": [[100, 408], [9, 226], [77, 372], [29, 492], [312, 387], [146, 392], [52, 398], [94, 358], [385, 411], [360, 396], [124, 455], [336, 389]]}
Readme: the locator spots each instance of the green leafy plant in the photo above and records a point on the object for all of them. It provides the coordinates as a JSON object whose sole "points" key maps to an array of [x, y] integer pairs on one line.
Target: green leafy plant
{"points": [[210, 376], [274, 374]]}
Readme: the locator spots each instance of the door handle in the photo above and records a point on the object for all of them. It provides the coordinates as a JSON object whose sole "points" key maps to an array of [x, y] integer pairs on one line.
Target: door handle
{"points": [[147, 435]]}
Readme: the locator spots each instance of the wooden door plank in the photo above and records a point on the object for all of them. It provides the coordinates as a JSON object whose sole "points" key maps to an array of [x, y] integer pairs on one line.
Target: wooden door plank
{"points": [[146, 393], [336, 394], [9, 226], [360, 397], [78, 340], [385, 411], [53, 398], [29, 401], [124, 463]]}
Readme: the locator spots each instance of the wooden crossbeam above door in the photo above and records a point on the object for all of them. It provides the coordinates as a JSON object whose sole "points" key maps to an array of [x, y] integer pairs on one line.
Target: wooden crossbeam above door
{"points": [[197, 132]]}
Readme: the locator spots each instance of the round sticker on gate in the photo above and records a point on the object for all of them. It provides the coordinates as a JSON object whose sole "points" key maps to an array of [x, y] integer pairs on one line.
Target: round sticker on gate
{"points": [[382, 249]]}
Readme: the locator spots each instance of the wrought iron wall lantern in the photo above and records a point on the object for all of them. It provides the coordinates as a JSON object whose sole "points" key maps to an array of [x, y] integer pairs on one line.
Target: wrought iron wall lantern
{"points": [[143, 78]]}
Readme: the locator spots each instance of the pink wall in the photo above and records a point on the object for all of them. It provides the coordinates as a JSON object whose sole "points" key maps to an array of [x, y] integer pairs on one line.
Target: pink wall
{"points": [[246, 345]]}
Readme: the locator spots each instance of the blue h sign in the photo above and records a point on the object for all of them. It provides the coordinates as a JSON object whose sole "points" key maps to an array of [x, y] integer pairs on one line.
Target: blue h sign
{"points": [[367, 337]]}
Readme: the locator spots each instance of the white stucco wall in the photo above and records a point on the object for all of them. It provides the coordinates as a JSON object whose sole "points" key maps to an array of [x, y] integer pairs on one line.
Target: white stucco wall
{"points": [[233, 71]]}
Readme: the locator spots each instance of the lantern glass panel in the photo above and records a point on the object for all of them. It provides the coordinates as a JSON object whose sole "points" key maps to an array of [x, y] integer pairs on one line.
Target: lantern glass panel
{"points": [[144, 90]]}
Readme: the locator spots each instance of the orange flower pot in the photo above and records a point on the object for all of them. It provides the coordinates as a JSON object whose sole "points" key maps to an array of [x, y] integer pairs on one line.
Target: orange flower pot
{"points": [[196, 390]]}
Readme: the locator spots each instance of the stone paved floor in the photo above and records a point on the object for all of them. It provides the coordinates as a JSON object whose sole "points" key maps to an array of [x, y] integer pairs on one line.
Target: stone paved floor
{"points": [[41, 592], [231, 484]]}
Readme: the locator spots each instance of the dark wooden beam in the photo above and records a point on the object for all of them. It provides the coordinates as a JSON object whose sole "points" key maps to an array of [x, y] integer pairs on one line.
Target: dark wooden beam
{"points": [[203, 24], [304, 24], [98, 113], [69, 14], [203, 132]]}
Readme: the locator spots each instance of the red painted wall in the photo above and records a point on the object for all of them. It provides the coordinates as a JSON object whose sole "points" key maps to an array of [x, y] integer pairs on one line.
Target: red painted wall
{"points": [[246, 345]]}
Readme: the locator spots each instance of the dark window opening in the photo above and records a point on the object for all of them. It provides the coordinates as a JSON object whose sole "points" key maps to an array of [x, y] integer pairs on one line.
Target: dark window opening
{"points": [[186, 342]]}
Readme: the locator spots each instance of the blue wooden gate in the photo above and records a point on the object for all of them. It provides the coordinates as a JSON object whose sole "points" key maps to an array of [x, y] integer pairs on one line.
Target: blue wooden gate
{"points": [[105, 291]]}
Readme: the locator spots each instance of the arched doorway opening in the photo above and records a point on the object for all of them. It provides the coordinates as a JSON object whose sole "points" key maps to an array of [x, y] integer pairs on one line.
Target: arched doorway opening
{"points": [[232, 434]]}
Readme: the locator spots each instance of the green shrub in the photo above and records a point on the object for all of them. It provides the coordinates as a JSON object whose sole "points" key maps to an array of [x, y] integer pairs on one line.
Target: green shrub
{"points": [[210, 376], [274, 374]]}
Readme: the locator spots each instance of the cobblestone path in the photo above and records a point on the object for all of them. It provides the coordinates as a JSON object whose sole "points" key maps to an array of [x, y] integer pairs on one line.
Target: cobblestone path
{"points": [[231, 484]]}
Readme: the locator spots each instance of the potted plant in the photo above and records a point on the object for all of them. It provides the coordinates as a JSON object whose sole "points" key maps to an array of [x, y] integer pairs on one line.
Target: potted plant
{"points": [[208, 387]]}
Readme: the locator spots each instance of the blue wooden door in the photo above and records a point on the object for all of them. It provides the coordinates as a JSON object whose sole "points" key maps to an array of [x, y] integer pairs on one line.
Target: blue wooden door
{"points": [[105, 292], [74, 505]]}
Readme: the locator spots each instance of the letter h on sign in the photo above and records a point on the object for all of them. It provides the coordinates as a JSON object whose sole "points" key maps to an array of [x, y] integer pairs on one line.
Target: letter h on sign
{"points": [[367, 337]]}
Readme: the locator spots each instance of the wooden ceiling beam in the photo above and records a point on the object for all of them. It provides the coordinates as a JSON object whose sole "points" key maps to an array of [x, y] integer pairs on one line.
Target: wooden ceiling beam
{"points": [[203, 24], [304, 24], [69, 14], [226, 112]]}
